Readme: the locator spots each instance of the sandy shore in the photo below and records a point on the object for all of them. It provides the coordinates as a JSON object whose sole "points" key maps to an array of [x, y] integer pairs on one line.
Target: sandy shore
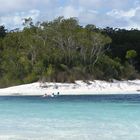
{"points": [[78, 88]]}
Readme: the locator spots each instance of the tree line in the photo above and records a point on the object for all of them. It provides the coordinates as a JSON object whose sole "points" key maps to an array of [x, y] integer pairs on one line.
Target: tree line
{"points": [[64, 51]]}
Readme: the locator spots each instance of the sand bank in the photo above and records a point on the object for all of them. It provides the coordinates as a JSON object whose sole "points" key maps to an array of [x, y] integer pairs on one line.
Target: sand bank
{"points": [[78, 88]]}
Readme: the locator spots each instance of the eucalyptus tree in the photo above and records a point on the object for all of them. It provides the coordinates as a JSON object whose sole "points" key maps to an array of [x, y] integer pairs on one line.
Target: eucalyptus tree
{"points": [[62, 34], [130, 55], [32, 40], [13, 63], [92, 46], [74, 41], [2, 31]]}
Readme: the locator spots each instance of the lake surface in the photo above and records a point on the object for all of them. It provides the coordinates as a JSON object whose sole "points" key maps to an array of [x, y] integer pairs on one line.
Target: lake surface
{"points": [[109, 117]]}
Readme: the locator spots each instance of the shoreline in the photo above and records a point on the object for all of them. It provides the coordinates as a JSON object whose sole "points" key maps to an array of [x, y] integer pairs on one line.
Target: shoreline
{"points": [[96, 87]]}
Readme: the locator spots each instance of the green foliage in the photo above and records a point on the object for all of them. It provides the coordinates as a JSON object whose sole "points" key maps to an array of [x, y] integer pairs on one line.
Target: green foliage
{"points": [[32, 77], [50, 70], [64, 67], [122, 41], [129, 72], [63, 51], [2, 31], [49, 73], [130, 54], [109, 68]]}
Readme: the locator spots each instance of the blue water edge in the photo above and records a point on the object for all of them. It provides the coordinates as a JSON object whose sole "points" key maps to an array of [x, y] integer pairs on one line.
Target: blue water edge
{"points": [[96, 117]]}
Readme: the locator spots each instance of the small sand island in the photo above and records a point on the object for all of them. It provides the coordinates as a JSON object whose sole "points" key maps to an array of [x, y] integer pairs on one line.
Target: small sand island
{"points": [[78, 88]]}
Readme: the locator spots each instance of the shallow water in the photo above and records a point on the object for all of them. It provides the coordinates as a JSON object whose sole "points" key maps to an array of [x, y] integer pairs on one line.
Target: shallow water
{"points": [[109, 117]]}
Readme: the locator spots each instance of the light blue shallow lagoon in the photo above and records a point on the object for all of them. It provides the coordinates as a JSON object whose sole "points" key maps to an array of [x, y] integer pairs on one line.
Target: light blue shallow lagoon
{"points": [[109, 117]]}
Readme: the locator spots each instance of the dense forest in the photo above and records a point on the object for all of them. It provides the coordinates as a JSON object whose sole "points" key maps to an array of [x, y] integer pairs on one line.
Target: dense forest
{"points": [[64, 51]]}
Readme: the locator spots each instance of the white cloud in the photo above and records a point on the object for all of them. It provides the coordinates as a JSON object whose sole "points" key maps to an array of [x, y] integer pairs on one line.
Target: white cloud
{"points": [[91, 3], [131, 17], [68, 11], [125, 14], [24, 5], [85, 16], [12, 6], [116, 13], [16, 20], [105, 4]]}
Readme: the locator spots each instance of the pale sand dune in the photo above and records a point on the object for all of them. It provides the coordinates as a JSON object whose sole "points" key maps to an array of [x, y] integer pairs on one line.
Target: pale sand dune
{"points": [[77, 88]]}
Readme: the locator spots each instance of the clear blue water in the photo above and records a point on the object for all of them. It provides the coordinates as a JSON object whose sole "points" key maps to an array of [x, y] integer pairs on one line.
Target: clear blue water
{"points": [[110, 117]]}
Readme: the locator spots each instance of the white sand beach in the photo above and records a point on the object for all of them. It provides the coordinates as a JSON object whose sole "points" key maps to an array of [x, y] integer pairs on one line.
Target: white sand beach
{"points": [[78, 88]]}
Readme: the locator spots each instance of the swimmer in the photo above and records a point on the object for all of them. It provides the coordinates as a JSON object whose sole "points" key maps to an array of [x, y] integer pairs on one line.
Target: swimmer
{"points": [[58, 93], [52, 95], [45, 95]]}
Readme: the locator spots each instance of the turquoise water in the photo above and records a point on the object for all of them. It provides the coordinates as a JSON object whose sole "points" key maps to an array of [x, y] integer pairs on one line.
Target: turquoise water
{"points": [[111, 117]]}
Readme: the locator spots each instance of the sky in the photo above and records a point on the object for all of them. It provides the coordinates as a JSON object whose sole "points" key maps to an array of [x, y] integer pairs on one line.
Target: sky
{"points": [[102, 13]]}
